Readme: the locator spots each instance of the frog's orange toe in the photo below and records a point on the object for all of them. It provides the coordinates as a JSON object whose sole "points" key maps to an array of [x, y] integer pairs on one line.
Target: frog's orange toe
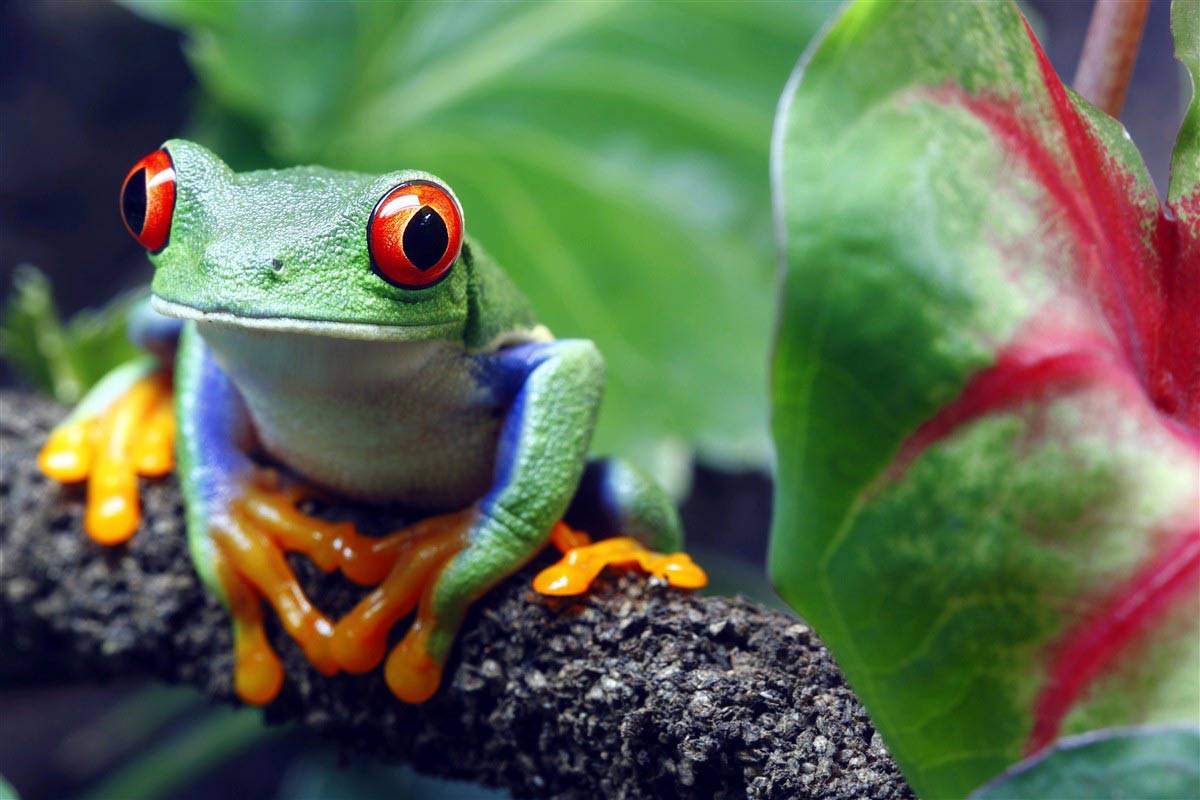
{"points": [[67, 454], [134, 435], [411, 672], [113, 511], [582, 563], [258, 676], [258, 672], [356, 649], [360, 639], [154, 450]]}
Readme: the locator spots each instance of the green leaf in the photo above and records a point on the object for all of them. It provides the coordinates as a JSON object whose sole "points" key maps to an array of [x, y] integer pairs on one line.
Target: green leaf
{"points": [[1185, 161], [217, 735], [63, 360], [613, 156], [1125, 764], [986, 401]]}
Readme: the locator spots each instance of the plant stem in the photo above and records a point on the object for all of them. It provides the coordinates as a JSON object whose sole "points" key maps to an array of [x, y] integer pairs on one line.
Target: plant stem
{"points": [[1109, 53]]}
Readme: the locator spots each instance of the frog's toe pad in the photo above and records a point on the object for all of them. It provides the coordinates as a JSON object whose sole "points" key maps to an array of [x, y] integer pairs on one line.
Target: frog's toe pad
{"points": [[412, 673], [134, 435], [581, 564], [258, 672]]}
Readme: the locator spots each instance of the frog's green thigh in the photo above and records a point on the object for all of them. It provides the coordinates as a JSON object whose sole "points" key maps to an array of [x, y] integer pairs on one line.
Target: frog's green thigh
{"points": [[541, 456], [122, 428]]}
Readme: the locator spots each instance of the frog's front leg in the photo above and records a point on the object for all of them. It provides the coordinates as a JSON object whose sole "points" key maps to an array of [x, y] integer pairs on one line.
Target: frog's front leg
{"points": [[240, 521], [555, 389]]}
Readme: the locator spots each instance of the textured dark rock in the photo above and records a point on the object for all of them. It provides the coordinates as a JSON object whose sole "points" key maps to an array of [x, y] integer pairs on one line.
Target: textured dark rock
{"points": [[637, 691]]}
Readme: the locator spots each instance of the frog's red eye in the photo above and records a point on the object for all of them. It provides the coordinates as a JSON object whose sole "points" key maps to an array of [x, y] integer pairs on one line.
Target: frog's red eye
{"points": [[148, 200], [415, 234]]}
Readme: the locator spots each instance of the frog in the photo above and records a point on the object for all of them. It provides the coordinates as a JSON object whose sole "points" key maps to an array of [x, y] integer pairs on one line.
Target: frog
{"points": [[312, 333]]}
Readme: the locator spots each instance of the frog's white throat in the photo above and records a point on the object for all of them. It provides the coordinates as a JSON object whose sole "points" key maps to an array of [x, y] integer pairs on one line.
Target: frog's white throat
{"points": [[378, 421]]}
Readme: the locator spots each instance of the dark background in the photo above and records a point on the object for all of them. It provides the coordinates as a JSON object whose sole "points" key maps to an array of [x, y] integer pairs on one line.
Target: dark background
{"points": [[87, 88]]}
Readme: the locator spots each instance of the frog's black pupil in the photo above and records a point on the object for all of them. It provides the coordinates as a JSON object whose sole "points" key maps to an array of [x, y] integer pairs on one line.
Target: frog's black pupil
{"points": [[133, 201], [425, 238]]}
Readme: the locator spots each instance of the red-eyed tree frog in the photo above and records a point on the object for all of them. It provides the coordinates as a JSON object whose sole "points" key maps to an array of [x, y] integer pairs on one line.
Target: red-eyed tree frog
{"points": [[309, 329]]}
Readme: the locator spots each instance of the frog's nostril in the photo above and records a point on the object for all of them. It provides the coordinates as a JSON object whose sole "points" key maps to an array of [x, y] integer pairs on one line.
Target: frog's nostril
{"points": [[277, 264]]}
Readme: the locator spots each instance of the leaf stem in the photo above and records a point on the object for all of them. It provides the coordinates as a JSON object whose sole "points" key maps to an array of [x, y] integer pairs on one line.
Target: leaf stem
{"points": [[1109, 53]]}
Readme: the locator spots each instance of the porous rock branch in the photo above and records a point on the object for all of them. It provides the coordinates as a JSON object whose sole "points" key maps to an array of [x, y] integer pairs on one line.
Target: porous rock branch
{"points": [[637, 690]]}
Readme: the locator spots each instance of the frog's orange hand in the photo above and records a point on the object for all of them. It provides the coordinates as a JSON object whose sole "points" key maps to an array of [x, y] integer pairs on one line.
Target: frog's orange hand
{"points": [[420, 553], [258, 525], [262, 524], [403, 566], [132, 433], [583, 561]]}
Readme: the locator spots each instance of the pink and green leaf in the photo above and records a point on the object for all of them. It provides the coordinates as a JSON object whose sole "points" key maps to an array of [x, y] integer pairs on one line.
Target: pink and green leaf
{"points": [[986, 391]]}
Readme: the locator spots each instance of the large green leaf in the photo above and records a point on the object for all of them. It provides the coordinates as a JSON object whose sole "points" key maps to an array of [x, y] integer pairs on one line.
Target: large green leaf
{"points": [[1152, 763], [612, 155], [986, 392]]}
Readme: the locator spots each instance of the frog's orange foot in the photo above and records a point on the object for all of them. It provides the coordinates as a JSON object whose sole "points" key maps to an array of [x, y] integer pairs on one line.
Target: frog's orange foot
{"points": [[582, 563], [418, 555], [134, 436]]}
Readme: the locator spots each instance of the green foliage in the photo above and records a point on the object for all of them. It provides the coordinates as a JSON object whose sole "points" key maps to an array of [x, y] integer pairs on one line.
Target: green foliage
{"points": [[1131, 764], [611, 155], [980, 480], [64, 360], [167, 764]]}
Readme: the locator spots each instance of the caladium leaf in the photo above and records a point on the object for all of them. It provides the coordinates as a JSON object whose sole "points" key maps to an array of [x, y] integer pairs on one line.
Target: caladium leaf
{"points": [[986, 391], [1149, 763]]}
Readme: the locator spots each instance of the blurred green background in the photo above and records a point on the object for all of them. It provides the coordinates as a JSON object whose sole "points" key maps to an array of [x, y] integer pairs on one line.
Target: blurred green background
{"points": [[612, 155]]}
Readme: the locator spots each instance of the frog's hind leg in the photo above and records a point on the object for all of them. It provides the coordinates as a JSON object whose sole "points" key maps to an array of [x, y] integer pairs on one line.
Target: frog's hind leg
{"points": [[124, 427], [615, 499]]}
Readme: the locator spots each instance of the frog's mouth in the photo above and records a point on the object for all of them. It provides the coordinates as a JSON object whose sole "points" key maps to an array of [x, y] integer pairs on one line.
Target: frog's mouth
{"points": [[367, 331]]}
